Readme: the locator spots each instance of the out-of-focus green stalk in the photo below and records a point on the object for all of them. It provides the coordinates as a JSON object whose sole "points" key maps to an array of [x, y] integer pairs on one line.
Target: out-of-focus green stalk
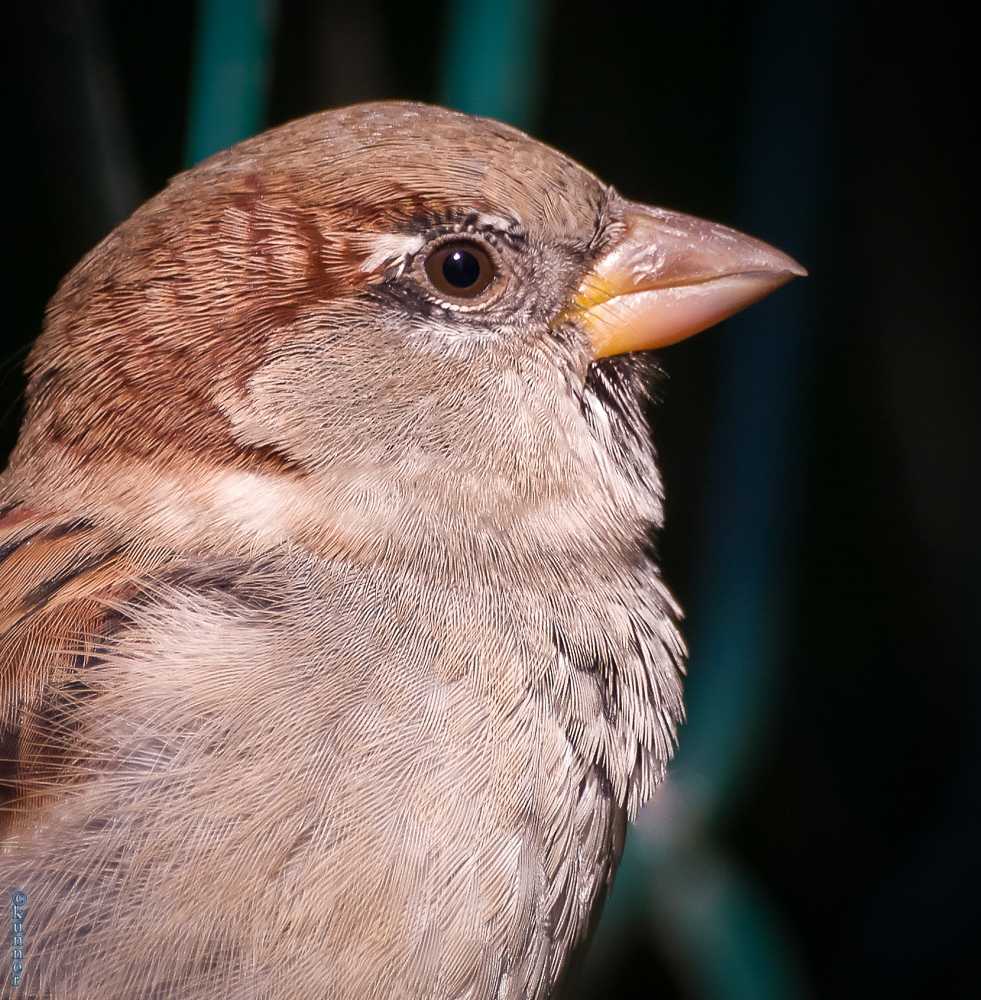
{"points": [[231, 74], [493, 53]]}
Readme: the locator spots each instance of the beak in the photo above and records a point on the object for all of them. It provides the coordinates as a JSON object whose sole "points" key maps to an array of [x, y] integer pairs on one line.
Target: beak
{"points": [[671, 275]]}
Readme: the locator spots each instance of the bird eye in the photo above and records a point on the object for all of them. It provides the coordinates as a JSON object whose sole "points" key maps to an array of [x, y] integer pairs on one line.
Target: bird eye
{"points": [[462, 269]]}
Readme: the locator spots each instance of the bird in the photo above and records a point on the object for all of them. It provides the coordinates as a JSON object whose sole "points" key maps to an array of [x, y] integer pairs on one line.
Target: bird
{"points": [[335, 653]]}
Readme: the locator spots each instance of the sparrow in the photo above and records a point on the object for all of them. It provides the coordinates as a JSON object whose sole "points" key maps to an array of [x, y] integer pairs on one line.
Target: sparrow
{"points": [[335, 655]]}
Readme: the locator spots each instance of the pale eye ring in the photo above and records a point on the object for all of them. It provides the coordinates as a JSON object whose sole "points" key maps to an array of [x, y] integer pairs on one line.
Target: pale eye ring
{"points": [[461, 269]]}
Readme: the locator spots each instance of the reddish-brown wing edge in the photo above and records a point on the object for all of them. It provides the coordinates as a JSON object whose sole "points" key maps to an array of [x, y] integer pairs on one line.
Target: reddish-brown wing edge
{"points": [[60, 580]]}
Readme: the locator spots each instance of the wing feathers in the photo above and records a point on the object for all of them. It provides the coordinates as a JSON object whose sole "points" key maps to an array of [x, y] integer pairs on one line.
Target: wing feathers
{"points": [[59, 581]]}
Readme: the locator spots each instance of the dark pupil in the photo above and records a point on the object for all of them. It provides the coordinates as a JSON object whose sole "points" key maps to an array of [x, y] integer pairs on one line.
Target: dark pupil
{"points": [[461, 269]]}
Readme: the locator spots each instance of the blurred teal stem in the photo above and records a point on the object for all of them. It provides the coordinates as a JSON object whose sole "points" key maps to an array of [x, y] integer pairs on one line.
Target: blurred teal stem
{"points": [[493, 52], [230, 76]]}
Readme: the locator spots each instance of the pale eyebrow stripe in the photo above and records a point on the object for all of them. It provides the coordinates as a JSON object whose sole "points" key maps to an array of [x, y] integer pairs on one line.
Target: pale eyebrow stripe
{"points": [[388, 246]]}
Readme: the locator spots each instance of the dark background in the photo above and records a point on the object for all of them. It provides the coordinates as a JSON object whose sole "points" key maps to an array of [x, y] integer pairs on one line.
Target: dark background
{"points": [[861, 820]]}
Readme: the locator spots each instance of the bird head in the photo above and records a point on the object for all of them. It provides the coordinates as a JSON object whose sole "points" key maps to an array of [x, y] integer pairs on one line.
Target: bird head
{"points": [[399, 313]]}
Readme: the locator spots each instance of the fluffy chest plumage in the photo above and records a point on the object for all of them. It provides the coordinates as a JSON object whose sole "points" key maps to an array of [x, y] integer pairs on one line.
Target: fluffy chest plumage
{"points": [[251, 732]]}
